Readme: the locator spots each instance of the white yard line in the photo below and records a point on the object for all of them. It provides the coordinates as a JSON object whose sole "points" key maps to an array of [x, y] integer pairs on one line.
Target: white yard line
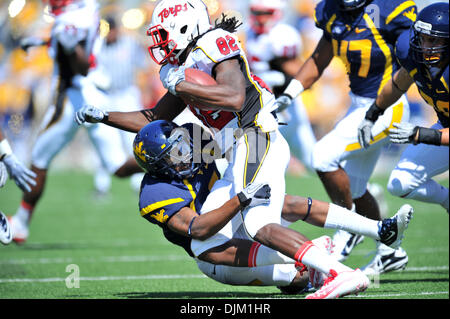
{"points": [[102, 278], [424, 293]]}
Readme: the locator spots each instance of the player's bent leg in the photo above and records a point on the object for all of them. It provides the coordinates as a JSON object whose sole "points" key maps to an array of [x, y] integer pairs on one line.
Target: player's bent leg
{"points": [[412, 177], [271, 275]]}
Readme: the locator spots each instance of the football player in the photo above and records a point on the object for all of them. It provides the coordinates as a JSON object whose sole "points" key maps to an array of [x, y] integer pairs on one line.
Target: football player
{"points": [[176, 196], [239, 111], [73, 36], [362, 34], [272, 48], [423, 55]]}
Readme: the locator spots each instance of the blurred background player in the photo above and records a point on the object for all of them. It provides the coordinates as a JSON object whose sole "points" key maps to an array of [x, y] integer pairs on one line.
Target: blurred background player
{"points": [[362, 34], [9, 164], [73, 38], [423, 55], [22, 176], [273, 49], [119, 62]]}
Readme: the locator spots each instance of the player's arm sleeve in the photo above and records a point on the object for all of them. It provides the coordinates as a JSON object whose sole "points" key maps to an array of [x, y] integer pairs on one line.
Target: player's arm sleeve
{"points": [[399, 17], [218, 46], [321, 19], [401, 50], [158, 210]]}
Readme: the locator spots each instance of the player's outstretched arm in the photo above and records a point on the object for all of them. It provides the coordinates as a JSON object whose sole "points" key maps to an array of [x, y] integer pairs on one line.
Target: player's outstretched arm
{"points": [[188, 223], [308, 74], [391, 92], [168, 107]]}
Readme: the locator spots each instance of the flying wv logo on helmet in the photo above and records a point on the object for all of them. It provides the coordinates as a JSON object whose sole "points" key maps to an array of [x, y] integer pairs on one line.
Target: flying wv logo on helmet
{"points": [[165, 13]]}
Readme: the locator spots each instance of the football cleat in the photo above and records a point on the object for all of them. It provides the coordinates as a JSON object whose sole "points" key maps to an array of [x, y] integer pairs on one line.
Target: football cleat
{"points": [[396, 260], [344, 242], [19, 230], [391, 230], [5, 230], [342, 284]]}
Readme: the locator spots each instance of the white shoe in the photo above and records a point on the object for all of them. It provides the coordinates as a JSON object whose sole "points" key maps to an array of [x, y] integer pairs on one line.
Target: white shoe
{"points": [[317, 278], [377, 192], [392, 229], [19, 230], [5, 230], [344, 242], [342, 284], [382, 263]]}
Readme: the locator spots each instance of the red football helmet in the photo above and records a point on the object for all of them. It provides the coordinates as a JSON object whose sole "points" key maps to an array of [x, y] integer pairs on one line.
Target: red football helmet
{"points": [[264, 14]]}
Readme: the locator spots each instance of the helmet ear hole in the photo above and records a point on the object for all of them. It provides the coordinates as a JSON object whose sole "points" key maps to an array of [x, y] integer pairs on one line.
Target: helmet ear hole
{"points": [[183, 29]]}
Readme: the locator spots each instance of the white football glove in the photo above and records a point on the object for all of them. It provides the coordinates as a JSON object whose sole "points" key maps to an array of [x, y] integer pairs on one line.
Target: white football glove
{"points": [[402, 133], [28, 42], [365, 133], [3, 174], [283, 102], [254, 194], [172, 77], [19, 173], [90, 114]]}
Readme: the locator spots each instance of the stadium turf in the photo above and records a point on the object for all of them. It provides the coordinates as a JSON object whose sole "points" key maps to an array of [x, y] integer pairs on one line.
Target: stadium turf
{"points": [[118, 254]]}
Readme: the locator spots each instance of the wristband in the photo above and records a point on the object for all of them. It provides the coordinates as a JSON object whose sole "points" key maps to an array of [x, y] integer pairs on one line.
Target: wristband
{"points": [[5, 149], [294, 88], [373, 112], [243, 200], [190, 225], [105, 117], [428, 136]]}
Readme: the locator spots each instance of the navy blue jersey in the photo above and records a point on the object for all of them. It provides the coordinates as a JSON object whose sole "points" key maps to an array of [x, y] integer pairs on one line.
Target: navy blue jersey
{"points": [[433, 89], [159, 200], [366, 43]]}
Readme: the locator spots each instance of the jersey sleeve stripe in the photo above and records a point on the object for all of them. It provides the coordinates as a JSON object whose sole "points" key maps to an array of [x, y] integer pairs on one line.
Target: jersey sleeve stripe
{"points": [[209, 57], [157, 205], [330, 23], [397, 114], [384, 48], [445, 83], [191, 190], [399, 10]]}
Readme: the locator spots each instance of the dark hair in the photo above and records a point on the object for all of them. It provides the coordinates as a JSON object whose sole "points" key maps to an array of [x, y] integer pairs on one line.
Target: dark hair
{"points": [[228, 24]]}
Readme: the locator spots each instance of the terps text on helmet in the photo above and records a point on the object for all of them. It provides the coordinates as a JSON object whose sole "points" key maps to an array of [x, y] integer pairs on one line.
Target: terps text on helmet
{"points": [[165, 13]]}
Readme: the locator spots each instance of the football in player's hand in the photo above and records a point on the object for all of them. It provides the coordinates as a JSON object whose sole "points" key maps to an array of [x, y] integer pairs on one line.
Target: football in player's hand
{"points": [[198, 77]]}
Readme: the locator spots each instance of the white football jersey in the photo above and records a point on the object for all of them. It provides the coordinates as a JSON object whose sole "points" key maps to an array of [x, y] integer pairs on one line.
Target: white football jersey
{"points": [[212, 48], [81, 23], [282, 41]]}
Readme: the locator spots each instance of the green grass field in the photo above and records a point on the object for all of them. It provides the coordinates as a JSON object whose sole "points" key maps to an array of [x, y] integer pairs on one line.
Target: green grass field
{"points": [[121, 255]]}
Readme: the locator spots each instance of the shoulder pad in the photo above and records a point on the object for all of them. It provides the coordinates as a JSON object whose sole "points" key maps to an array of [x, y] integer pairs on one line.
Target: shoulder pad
{"points": [[218, 45]]}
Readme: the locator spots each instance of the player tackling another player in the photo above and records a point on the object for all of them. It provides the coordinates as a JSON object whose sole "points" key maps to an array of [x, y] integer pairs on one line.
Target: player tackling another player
{"points": [[240, 102]]}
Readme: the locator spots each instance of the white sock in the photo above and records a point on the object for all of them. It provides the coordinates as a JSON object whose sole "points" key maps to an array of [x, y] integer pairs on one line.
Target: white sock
{"points": [[261, 255], [24, 212], [312, 256], [341, 218]]}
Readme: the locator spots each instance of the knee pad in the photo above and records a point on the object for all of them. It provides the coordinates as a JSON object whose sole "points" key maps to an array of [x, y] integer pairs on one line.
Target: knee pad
{"points": [[401, 183]]}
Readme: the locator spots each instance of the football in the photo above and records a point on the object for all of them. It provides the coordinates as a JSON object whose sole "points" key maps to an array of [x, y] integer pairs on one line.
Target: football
{"points": [[198, 77]]}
